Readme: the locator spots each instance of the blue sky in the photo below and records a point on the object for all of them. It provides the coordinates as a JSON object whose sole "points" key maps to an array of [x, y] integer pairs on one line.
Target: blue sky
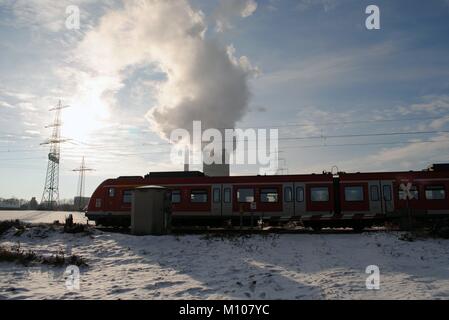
{"points": [[320, 72]]}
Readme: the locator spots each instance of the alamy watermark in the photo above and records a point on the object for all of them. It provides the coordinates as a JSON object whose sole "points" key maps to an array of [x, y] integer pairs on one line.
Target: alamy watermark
{"points": [[372, 282], [72, 282], [73, 19], [226, 146], [372, 22]]}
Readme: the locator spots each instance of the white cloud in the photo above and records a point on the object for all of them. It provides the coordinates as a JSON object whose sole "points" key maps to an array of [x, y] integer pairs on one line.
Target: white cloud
{"points": [[430, 104], [33, 132], [327, 5], [336, 68], [243, 62], [6, 104], [315, 121], [229, 9], [38, 13], [439, 123], [46, 15], [28, 106], [23, 96], [417, 152]]}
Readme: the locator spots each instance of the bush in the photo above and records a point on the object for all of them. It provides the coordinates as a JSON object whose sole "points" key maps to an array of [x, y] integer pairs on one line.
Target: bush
{"points": [[77, 228], [16, 254], [407, 236], [440, 228], [8, 224], [26, 257]]}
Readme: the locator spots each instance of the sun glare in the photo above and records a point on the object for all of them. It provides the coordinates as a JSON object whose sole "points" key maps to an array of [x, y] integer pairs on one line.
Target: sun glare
{"points": [[84, 118]]}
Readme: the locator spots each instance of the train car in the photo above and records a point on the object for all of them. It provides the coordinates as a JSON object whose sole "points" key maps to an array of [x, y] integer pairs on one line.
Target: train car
{"points": [[197, 198], [355, 200]]}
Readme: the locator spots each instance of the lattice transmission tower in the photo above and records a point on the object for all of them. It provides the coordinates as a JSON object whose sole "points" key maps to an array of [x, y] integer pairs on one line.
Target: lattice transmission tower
{"points": [[82, 176], [50, 197]]}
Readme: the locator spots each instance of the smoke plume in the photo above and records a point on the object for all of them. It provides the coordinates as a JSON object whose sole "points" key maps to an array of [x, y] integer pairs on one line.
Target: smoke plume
{"points": [[203, 79]]}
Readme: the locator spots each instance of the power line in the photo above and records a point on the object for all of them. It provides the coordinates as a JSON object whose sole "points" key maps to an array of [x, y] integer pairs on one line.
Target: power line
{"points": [[305, 124], [364, 135], [280, 148], [357, 135], [324, 137], [301, 124], [18, 159]]}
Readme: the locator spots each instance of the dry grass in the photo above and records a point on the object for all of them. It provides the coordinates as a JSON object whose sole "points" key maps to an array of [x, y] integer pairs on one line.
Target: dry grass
{"points": [[26, 257], [8, 224]]}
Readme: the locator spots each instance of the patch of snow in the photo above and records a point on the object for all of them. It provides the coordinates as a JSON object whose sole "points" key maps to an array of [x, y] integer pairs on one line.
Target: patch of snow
{"points": [[287, 266]]}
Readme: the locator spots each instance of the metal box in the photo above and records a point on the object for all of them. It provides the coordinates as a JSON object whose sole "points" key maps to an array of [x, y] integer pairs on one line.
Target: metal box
{"points": [[151, 211]]}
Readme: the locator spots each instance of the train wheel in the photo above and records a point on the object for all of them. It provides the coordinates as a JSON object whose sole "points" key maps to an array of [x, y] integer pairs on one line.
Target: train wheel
{"points": [[317, 228], [358, 228]]}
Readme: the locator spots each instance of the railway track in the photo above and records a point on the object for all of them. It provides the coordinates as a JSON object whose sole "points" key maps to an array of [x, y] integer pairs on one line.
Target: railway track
{"points": [[248, 230]]}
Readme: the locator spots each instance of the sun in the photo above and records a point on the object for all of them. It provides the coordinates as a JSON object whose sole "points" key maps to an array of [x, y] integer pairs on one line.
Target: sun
{"points": [[84, 117]]}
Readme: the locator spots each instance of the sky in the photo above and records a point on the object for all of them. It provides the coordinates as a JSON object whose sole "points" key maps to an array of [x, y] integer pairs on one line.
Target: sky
{"points": [[136, 70]]}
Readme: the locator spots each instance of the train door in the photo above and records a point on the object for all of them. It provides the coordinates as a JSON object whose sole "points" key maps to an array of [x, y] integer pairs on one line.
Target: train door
{"points": [[299, 196], [375, 200], [216, 199], [226, 200], [289, 200], [387, 196]]}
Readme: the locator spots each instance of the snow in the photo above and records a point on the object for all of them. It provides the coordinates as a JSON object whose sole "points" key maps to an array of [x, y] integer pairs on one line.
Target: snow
{"points": [[41, 216], [274, 266]]}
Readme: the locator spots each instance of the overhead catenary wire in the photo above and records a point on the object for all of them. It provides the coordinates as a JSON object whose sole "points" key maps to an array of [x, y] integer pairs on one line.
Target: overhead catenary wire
{"points": [[120, 154], [114, 149], [324, 137]]}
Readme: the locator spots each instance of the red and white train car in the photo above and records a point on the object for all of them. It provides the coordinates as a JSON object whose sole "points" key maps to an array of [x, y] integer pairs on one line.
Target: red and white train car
{"points": [[354, 200]]}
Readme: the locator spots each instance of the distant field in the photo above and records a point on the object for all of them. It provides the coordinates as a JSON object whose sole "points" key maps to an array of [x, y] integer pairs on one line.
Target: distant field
{"points": [[41, 216]]}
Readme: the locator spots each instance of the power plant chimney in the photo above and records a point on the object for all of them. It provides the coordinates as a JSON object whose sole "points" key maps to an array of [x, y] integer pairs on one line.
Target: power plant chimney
{"points": [[186, 159], [220, 169]]}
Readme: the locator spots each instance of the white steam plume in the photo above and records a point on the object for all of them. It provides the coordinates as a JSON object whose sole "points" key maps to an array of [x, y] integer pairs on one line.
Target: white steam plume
{"points": [[204, 81], [228, 9]]}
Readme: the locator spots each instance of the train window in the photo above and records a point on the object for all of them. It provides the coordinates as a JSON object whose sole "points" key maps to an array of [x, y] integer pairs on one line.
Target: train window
{"points": [[354, 193], [374, 190], [268, 195], [198, 196], [299, 194], [387, 193], [227, 195], [111, 192], [176, 196], [435, 193], [245, 195], [127, 196], [217, 195], [319, 194], [288, 194], [413, 191], [97, 203]]}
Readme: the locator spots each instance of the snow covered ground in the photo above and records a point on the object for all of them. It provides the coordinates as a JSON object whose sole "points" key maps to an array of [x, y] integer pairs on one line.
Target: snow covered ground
{"points": [[288, 266], [41, 216]]}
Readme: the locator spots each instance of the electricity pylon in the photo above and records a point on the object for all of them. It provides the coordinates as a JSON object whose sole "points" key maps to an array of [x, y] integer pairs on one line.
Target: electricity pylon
{"points": [[82, 170], [50, 197]]}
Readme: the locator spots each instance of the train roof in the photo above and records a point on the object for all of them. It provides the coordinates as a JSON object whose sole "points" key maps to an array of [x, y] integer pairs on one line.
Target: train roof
{"points": [[434, 171]]}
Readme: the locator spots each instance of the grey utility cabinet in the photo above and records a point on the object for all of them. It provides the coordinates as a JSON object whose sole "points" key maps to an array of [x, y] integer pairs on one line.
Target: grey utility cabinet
{"points": [[151, 211]]}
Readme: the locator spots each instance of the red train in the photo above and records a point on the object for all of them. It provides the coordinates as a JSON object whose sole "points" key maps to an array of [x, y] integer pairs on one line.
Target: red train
{"points": [[356, 200]]}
